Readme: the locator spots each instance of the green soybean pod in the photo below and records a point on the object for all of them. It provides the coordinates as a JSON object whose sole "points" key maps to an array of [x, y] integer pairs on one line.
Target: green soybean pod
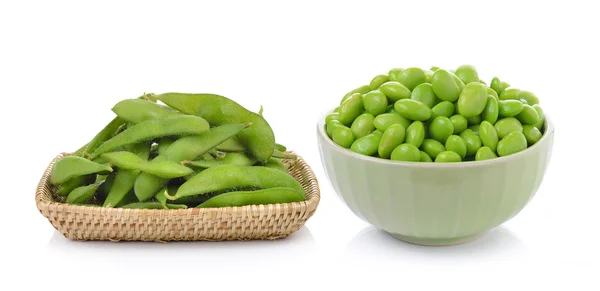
{"points": [[459, 123], [472, 100], [274, 195], [138, 110], [164, 143], [332, 116], [445, 86], [125, 179], [492, 93], [528, 116], [82, 194], [412, 109], [415, 133], [360, 90], [541, 118], [391, 138], [424, 94], [509, 108], [394, 91], [385, 120], [233, 144], [472, 141], [351, 109], [441, 128], [393, 74], [507, 125], [496, 85], [490, 113], [363, 125], [444, 108], [220, 178], [513, 143], [330, 126], [65, 188], [488, 135], [532, 134], [456, 144], [375, 102], [467, 73], [239, 159], [411, 77], [432, 147], [377, 81], [130, 161], [485, 153], [73, 166], [529, 97], [448, 157], [510, 94], [406, 152], [366, 145], [343, 136]]}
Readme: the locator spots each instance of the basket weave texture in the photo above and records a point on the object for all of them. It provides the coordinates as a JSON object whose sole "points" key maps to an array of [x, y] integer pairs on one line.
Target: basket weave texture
{"points": [[253, 222]]}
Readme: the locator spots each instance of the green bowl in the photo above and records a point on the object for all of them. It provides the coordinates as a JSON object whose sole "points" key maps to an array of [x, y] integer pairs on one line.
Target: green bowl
{"points": [[435, 203]]}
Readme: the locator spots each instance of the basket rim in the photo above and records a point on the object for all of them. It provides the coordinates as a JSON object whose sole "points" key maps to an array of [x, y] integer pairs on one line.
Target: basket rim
{"points": [[313, 197]]}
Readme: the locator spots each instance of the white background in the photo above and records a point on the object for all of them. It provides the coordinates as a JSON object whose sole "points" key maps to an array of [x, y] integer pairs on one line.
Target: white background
{"points": [[64, 64]]}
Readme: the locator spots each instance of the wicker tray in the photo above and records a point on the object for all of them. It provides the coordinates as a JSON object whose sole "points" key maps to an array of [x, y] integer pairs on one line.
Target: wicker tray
{"points": [[254, 222]]}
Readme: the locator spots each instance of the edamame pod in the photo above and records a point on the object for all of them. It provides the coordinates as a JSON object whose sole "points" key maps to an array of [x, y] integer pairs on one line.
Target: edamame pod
{"points": [[138, 110], [218, 110], [232, 144], [83, 194], [220, 178], [164, 169], [163, 144], [73, 166], [154, 128], [65, 188], [239, 159], [258, 197], [105, 134], [274, 163]]}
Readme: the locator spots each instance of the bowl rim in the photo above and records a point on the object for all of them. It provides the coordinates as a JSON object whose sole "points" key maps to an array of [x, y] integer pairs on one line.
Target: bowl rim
{"points": [[547, 134]]}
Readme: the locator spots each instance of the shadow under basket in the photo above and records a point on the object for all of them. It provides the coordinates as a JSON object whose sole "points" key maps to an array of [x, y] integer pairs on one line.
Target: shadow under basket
{"points": [[253, 222]]}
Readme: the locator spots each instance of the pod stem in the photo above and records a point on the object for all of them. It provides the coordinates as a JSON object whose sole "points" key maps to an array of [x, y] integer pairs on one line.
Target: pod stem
{"points": [[260, 112], [169, 196], [185, 163]]}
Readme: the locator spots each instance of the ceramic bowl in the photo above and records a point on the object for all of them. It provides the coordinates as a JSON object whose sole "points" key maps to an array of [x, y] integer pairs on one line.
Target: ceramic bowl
{"points": [[435, 203]]}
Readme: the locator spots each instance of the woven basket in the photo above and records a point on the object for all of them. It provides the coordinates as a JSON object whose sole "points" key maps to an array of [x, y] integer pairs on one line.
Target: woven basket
{"points": [[269, 222]]}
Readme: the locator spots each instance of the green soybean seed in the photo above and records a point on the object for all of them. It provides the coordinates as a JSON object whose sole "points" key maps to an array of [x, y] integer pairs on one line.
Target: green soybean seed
{"points": [[492, 93], [475, 120], [445, 86], [490, 113], [434, 68], [528, 116], [130, 161], [432, 147], [330, 126], [415, 133], [458, 81], [412, 109], [425, 157], [509, 108], [391, 138], [510, 94], [513, 143], [394, 91], [424, 94], [257, 197], [444, 108], [351, 109], [474, 128], [411, 77], [528, 97], [239, 159], [138, 110], [541, 118], [472, 141], [385, 120], [216, 179], [456, 144], [332, 116], [485, 153], [406, 152], [366, 145], [377, 81], [375, 102], [83, 194], [448, 157], [459, 123], [441, 128], [467, 74], [507, 125], [428, 76], [390, 109], [73, 166], [393, 74], [532, 134], [343, 136], [360, 90], [472, 100], [496, 85], [154, 128], [363, 125], [218, 110], [488, 135]]}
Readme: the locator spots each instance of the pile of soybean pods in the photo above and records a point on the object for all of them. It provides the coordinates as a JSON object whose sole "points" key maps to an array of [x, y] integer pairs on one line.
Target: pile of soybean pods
{"points": [[196, 150], [439, 115]]}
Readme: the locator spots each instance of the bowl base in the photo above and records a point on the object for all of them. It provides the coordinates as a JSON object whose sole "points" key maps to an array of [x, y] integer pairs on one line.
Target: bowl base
{"points": [[436, 241]]}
